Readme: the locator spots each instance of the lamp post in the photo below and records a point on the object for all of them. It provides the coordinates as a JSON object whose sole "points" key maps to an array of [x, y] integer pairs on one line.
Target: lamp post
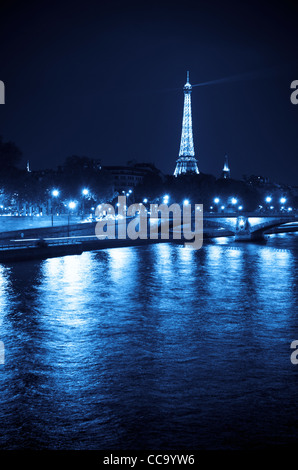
{"points": [[85, 193], [55, 194], [216, 201], [268, 199], [282, 200], [71, 205]]}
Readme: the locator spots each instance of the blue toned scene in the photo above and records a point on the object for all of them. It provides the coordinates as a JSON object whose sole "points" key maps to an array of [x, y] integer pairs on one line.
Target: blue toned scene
{"points": [[148, 228]]}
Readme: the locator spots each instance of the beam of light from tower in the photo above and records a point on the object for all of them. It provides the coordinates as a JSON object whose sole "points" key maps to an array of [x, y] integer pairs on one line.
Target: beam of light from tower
{"points": [[252, 75]]}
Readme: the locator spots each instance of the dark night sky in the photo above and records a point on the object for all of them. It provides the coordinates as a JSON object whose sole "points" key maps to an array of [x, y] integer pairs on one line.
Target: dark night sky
{"points": [[104, 79]]}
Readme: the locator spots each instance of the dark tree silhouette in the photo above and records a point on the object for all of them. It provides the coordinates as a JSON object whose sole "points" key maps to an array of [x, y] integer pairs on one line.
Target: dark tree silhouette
{"points": [[10, 155]]}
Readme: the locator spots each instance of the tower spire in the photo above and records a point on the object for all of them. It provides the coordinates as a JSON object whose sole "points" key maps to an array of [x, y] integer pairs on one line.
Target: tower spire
{"points": [[226, 169], [186, 162]]}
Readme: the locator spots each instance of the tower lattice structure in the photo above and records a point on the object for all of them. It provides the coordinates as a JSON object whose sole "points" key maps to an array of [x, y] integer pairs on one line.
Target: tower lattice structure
{"points": [[186, 163]]}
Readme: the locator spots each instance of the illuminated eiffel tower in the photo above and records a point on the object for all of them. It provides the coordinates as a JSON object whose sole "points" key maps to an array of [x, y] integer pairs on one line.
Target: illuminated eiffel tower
{"points": [[186, 162]]}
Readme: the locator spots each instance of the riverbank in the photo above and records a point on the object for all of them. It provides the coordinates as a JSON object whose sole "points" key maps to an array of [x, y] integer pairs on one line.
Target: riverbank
{"points": [[83, 231]]}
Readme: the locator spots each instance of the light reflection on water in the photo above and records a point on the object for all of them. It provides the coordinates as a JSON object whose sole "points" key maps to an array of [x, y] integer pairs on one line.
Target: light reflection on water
{"points": [[152, 347]]}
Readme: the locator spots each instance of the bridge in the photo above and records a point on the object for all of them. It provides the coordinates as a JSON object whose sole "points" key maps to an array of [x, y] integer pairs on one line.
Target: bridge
{"points": [[248, 226]]}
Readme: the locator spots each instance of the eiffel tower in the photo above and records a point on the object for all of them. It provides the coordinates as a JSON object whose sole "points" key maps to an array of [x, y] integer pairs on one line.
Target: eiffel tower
{"points": [[186, 162]]}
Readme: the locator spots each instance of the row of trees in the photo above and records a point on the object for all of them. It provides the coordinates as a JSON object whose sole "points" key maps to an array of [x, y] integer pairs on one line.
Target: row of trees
{"points": [[205, 189], [22, 191]]}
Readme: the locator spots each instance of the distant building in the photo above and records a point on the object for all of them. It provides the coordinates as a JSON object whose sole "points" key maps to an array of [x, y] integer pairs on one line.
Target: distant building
{"points": [[226, 170], [256, 180], [129, 176]]}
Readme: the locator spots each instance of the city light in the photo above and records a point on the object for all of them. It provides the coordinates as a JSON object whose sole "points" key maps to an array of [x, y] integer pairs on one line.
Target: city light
{"points": [[85, 191], [282, 200], [268, 199], [222, 207], [216, 200], [234, 200], [185, 202], [290, 209], [72, 205], [240, 208], [145, 200], [55, 193], [130, 191]]}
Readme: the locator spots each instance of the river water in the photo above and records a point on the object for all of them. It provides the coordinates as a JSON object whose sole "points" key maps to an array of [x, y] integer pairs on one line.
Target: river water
{"points": [[156, 347]]}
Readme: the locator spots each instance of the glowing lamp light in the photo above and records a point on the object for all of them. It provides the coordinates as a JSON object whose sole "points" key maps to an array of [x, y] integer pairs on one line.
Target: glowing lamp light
{"points": [[234, 200], [211, 207], [72, 205], [290, 209], [268, 199], [282, 200], [130, 191], [240, 208], [185, 202], [222, 207], [55, 193], [145, 200], [271, 207], [85, 191], [216, 200]]}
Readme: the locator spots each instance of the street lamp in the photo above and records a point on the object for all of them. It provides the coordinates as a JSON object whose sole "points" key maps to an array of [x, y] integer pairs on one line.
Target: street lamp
{"points": [[282, 200], [268, 199], [55, 194], [185, 202], [216, 200], [234, 200], [145, 200], [71, 206], [85, 192]]}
